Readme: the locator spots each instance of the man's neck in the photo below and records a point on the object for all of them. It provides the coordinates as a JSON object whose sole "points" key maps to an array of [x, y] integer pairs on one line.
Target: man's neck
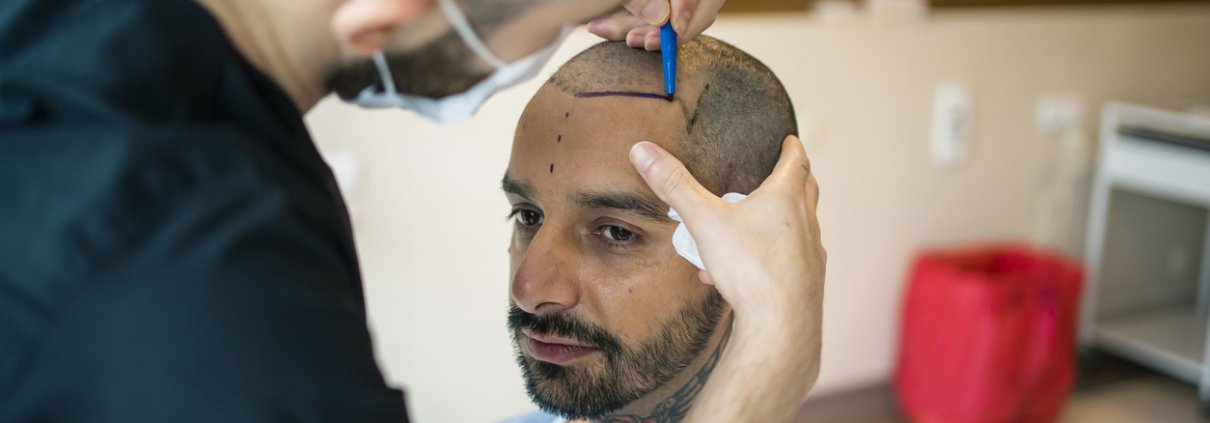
{"points": [[288, 40], [671, 403]]}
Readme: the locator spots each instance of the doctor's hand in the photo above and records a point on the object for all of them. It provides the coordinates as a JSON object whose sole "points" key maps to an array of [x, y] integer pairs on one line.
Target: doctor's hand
{"points": [[640, 24], [763, 253], [765, 257]]}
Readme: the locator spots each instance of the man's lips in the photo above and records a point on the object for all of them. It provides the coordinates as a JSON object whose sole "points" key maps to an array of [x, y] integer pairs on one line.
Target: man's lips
{"points": [[547, 339], [553, 349]]}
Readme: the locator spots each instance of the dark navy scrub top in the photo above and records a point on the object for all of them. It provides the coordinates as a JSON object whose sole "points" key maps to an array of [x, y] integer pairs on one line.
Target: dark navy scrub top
{"points": [[172, 246]]}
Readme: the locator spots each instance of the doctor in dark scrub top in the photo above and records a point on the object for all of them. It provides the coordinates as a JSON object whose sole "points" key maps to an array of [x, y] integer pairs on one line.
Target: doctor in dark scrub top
{"points": [[174, 249]]}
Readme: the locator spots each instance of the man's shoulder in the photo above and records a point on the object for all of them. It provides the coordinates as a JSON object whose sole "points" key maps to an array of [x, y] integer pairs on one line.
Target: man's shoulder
{"points": [[152, 207], [536, 417], [171, 248], [111, 180]]}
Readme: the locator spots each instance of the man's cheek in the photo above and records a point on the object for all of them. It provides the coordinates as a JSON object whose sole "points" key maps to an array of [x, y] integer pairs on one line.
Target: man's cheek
{"points": [[641, 258]]}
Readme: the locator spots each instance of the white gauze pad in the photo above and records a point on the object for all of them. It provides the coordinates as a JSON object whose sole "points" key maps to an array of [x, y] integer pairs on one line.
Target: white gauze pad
{"points": [[683, 241]]}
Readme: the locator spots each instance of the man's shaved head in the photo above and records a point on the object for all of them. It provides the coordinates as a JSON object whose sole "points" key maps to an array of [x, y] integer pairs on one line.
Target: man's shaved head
{"points": [[737, 113], [597, 290]]}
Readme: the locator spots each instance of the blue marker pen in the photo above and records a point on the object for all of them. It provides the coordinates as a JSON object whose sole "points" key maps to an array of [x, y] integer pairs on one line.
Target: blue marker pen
{"points": [[668, 52]]}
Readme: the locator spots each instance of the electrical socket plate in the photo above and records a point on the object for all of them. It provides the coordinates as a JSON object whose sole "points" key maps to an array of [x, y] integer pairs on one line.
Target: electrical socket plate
{"points": [[953, 116]]}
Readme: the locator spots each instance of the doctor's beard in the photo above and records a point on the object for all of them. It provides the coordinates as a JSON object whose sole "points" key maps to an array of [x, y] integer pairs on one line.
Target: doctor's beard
{"points": [[443, 67]]}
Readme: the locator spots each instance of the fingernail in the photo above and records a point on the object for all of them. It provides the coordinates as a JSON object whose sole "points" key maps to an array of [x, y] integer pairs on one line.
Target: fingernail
{"points": [[655, 12], [643, 154], [653, 42], [682, 22], [632, 39]]}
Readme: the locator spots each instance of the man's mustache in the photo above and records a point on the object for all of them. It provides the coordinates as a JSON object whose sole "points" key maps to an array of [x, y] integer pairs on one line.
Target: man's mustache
{"points": [[564, 326]]}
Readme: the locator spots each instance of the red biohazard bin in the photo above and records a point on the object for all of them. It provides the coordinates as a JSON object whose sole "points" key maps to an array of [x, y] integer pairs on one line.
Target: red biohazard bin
{"points": [[988, 336]]}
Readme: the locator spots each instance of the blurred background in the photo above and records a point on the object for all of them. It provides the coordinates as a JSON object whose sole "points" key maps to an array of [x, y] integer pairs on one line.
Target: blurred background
{"points": [[943, 126]]}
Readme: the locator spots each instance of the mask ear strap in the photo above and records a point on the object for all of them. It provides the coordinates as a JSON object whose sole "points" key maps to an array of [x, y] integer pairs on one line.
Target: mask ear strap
{"points": [[384, 71], [458, 20]]}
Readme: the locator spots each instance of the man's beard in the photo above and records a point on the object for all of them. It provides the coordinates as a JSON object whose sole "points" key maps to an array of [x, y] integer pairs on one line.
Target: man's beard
{"points": [[578, 391], [438, 69]]}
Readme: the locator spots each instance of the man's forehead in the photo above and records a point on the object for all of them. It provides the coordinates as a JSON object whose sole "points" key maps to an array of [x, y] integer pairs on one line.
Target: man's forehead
{"points": [[570, 146], [587, 122]]}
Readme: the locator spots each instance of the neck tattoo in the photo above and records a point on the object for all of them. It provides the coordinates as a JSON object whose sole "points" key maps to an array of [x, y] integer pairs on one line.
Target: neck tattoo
{"points": [[674, 408]]}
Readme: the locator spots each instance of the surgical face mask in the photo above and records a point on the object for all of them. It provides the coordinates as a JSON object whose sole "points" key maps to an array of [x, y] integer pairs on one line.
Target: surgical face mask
{"points": [[457, 107]]}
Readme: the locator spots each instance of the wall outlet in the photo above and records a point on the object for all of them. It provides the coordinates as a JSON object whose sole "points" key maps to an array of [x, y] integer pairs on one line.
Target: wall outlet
{"points": [[953, 117]]}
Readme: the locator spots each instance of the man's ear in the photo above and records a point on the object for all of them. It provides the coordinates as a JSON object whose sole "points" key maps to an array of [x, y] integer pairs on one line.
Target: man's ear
{"points": [[368, 25]]}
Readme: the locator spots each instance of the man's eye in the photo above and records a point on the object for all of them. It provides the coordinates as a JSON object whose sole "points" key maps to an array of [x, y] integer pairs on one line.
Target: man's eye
{"points": [[528, 217], [617, 233]]}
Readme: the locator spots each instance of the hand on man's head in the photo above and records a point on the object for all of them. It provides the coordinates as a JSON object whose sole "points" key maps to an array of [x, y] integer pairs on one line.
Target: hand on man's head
{"points": [[639, 25]]}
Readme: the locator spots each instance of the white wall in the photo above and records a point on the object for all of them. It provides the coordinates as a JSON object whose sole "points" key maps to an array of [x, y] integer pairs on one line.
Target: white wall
{"points": [[430, 218]]}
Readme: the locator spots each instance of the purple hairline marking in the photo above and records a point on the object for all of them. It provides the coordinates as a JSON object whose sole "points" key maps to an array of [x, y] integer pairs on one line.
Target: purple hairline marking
{"points": [[552, 168], [664, 97]]}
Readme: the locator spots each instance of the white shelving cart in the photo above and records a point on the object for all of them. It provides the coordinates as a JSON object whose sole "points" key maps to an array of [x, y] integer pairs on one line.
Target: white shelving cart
{"points": [[1150, 155]]}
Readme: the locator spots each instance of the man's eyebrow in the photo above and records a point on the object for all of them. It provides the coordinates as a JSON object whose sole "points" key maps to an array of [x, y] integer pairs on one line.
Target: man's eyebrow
{"points": [[625, 201], [517, 188]]}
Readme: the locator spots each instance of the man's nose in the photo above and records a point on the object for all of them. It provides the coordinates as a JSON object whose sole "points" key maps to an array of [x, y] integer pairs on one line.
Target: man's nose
{"points": [[546, 279]]}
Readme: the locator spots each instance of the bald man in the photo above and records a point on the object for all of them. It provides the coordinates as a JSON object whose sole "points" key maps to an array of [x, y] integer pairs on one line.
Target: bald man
{"points": [[609, 323]]}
